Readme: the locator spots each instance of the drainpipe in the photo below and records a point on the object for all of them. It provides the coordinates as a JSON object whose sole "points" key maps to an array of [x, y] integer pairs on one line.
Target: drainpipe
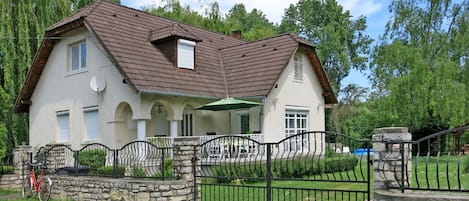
{"points": [[261, 115]]}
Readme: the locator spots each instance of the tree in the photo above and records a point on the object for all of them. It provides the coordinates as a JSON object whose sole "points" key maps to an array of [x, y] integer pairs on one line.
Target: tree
{"points": [[420, 67], [22, 27], [254, 24], [340, 39]]}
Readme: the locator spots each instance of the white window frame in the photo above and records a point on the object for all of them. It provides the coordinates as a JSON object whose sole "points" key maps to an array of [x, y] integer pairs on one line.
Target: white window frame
{"points": [[64, 128], [82, 58], [91, 133], [186, 54], [300, 124], [298, 67]]}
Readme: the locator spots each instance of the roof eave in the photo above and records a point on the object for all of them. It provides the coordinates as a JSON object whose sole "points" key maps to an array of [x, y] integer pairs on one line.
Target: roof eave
{"points": [[328, 92]]}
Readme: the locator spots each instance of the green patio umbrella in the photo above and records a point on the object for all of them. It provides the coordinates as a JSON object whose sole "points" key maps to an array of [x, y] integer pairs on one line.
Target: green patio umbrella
{"points": [[227, 104]]}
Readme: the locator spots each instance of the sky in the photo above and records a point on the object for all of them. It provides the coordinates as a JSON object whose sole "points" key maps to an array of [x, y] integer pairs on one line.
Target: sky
{"points": [[376, 12]]}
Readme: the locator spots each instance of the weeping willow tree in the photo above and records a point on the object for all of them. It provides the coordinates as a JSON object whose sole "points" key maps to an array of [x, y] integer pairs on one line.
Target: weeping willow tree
{"points": [[22, 26]]}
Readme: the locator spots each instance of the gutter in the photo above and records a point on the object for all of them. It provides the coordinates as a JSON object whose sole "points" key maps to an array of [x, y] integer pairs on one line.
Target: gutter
{"points": [[176, 94]]}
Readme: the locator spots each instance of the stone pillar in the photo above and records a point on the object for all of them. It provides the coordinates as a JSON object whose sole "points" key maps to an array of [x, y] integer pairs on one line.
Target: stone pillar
{"points": [[21, 158], [183, 165], [391, 150]]}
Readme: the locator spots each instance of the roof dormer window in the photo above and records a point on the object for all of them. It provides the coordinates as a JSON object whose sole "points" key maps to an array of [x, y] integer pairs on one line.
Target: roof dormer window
{"points": [[185, 54]]}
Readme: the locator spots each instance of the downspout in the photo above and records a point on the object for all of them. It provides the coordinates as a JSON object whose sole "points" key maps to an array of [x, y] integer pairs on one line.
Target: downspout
{"points": [[261, 115], [223, 73]]}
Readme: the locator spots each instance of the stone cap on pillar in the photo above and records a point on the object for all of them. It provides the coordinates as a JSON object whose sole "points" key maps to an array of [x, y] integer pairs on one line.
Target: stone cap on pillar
{"points": [[391, 134]]}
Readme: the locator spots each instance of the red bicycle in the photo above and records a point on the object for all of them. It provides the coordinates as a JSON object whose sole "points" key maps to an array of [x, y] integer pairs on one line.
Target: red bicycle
{"points": [[41, 185]]}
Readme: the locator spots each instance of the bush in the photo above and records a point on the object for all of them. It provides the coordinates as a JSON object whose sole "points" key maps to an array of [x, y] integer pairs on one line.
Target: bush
{"points": [[283, 168], [137, 172], [167, 171], [6, 169], [108, 171], [94, 159]]}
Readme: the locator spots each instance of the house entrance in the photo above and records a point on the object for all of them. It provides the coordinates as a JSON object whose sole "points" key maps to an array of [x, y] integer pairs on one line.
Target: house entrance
{"points": [[240, 168]]}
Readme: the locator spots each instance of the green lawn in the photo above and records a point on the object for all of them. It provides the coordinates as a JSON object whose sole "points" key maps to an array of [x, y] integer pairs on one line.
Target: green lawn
{"points": [[442, 176], [292, 190]]}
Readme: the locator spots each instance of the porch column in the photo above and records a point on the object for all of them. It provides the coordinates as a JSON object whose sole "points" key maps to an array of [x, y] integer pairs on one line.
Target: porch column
{"points": [[141, 129], [173, 128]]}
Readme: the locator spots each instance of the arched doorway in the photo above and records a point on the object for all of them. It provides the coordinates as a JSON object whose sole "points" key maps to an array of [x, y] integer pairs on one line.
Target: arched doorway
{"points": [[125, 129]]}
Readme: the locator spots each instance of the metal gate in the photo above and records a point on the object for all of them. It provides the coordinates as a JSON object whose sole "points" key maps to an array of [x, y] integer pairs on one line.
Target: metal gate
{"points": [[306, 166]]}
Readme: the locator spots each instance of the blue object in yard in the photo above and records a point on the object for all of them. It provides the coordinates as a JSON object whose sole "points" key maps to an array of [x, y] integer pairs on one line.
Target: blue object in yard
{"points": [[362, 151]]}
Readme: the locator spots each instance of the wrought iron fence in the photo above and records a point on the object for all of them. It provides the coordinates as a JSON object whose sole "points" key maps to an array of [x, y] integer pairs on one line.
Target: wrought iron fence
{"points": [[306, 166], [138, 159], [437, 162], [6, 165]]}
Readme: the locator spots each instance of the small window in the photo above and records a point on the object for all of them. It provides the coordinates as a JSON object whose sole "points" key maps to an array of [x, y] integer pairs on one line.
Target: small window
{"points": [[63, 122], [92, 123], [78, 56], [185, 54], [298, 67]]}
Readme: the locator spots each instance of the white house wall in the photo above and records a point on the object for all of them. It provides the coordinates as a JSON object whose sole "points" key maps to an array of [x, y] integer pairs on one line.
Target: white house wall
{"points": [[305, 95], [59, 89]]}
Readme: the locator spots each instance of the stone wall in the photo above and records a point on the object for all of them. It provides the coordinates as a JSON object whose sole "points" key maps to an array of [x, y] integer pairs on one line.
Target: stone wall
{"points": [[11, 181], [99, 188]]}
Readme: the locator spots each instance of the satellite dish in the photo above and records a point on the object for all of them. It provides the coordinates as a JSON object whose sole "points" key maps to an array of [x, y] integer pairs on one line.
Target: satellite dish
{"points": [[97, 84]]}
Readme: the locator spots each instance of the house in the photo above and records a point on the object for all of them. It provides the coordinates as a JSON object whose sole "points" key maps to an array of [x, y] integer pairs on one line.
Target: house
{"points": [[112, 74]]}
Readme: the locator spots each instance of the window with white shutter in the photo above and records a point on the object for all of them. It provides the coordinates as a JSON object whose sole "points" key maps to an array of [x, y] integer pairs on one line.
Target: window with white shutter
{"points": [[92, 123], [186, 53], [63, 122]]}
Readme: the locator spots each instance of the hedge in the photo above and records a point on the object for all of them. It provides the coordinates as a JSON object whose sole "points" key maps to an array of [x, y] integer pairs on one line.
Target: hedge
{"points": [[94, 159], [283, 168]]}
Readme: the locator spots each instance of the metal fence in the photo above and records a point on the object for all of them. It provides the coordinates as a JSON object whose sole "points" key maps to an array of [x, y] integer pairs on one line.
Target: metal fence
{"points": [[138, 159], [306, 166], [6, 165], [437, 162]]}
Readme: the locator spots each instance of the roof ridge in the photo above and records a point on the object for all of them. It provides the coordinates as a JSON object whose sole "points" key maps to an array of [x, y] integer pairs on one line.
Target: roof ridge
{"points": [[172, 20], [95, 4]]}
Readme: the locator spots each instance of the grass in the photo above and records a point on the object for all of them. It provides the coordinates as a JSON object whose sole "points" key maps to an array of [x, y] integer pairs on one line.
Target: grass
{"points": [[427, 175], [8, 192], [293, 190]]}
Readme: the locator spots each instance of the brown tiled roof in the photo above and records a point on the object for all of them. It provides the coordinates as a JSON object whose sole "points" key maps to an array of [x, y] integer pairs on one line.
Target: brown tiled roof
{"points": [[174, 30], [126, 35]]}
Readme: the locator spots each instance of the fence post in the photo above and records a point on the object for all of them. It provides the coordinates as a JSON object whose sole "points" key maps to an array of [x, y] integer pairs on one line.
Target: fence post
{"points": [[21, 158], [268, 176], [183, 162], [392, 158]]}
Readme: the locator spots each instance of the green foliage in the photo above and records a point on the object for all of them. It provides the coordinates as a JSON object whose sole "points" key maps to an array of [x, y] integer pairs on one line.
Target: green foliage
{"points": [[284, 168], [94, 159], [419, 69], [254, 25], [6, 169], [137, 172], [167, 171], [108, 171]]}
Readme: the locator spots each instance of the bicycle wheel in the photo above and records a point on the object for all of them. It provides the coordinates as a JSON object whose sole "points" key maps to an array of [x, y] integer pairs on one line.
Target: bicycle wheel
{"points": [[27, 189], [44, 189]]}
